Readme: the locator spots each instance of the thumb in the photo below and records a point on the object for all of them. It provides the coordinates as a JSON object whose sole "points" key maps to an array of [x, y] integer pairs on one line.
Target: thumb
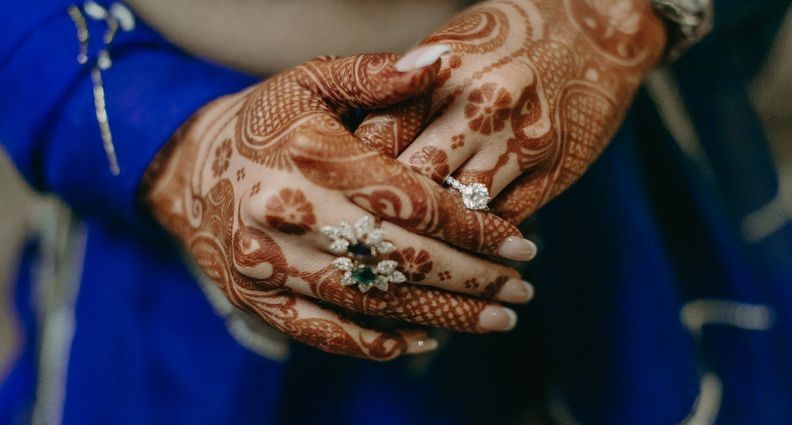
{"points": [[372, 81]]}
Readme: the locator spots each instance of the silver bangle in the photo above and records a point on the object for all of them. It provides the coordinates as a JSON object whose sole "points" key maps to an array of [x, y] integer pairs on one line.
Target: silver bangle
{"points": [[688, 22]]}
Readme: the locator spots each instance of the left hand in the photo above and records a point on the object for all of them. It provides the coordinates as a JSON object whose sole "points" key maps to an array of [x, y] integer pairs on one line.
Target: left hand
{"points": [[530, 95]]}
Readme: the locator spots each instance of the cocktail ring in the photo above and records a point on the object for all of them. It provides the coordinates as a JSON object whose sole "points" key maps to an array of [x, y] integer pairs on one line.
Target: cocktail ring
{"points": [[358, 247], [475, 196]]}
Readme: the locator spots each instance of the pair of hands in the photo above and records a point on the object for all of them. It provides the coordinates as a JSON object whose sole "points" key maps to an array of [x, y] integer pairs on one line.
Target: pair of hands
{"points": [[526, 99]]}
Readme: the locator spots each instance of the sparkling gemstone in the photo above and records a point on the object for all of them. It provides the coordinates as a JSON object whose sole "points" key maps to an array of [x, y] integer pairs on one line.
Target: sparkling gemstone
{"points": [[475, 196], [339, 246], [381, 283], [329, 231], [385, 247], [364, 275], [346, 231], [363, 226], [343, 263], [386, 267], [360, 250], [397, 277], [375, 236], [347, 279]]}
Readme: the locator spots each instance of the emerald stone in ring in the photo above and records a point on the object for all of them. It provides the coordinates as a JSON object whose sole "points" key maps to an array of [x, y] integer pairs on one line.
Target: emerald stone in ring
{"points": [[475, 196], [358, 246]]}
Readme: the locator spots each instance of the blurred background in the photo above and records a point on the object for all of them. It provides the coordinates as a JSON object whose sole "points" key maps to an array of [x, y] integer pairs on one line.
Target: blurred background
{"points": [[772, 95]]}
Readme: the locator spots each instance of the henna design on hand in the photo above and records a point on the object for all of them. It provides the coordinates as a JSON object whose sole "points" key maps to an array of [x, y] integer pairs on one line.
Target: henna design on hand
{"points": [[539, 87], [488, 108], [431, 162], [290, 212], [414, 264], [256, 233], [222, 156]]}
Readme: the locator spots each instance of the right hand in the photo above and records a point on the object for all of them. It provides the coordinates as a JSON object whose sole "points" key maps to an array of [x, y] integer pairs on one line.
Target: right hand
{"points": [[247, 183]]}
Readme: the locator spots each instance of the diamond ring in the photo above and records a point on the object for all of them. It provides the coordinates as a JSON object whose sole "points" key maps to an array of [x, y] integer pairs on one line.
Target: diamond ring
{"points": [[475, 196], [358, 246]]}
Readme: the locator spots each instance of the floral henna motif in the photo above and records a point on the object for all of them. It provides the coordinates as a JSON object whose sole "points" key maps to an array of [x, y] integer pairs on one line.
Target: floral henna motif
{"points": [[472, 284], [290, 212], [222, 156], [488, 108], [457, 141], [415, 264]]}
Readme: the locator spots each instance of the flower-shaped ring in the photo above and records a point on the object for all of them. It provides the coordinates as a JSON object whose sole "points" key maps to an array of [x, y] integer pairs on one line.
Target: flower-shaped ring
{"points": [[358, 247]]}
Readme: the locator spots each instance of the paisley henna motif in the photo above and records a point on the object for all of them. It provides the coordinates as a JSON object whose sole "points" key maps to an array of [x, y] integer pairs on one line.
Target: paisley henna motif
{"points": [[480, 32]]}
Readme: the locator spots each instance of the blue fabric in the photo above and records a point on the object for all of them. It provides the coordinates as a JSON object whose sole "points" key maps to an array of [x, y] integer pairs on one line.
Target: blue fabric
{"points": [[157, 364], [47, 115], [646, 234]]}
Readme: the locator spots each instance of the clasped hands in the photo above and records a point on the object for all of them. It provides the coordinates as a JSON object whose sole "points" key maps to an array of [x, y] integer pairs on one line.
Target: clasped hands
{"points": [[517, 97]]}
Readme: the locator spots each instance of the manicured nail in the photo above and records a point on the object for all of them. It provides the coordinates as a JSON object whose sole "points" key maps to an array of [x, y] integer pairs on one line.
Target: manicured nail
{"points": [[496, 318], [516, 291], [518, 249], [421, 346], [421, 57]]}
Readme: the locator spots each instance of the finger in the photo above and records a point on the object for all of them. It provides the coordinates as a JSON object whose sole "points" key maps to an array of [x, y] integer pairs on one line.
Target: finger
{"points": [[328, 330], [526, 195], [372, 81], [423, 260], [317, 277], [492, 134], [329, 156], [429, 262], [408, 303], [479, 120], [391, 130], [440, 149]]}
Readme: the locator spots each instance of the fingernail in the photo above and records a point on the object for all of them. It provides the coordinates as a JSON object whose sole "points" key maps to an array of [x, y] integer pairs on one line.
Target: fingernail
{"points": [[518, 249], [421, 346], [496, 318], [421, 57], [516, 291]]}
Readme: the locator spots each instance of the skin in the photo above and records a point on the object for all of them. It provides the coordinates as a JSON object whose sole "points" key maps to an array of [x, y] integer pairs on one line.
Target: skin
{"points": [[248, 182], [259, 36], [529, 97]]}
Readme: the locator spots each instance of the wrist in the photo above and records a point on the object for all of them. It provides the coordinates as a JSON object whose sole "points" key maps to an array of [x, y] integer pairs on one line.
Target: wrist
{"points": [[168, 175]]}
